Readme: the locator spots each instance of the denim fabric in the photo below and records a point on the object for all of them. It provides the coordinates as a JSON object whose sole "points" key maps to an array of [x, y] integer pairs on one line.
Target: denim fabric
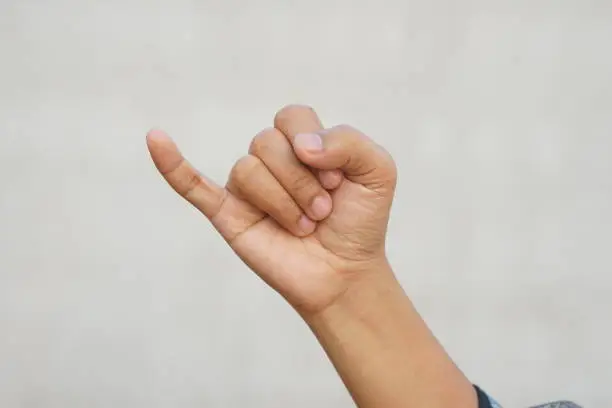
{"points": [[483, 397], [494, 403], [559, 404]]}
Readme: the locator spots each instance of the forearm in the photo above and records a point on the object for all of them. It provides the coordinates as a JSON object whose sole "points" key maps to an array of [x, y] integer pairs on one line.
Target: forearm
{"points": [[384, 352]]}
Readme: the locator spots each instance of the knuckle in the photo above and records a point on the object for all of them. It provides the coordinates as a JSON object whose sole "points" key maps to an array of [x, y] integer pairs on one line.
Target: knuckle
{"points": [[264, 141], [192, 180], [392, 171], [344, 127], [387, 169], [388, 161], [243, 169], [350, 131], [290, 111]]}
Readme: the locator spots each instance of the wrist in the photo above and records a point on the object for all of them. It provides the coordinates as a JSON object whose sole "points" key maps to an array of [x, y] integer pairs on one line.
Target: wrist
{"points": [[384, 351], [367, 290]]}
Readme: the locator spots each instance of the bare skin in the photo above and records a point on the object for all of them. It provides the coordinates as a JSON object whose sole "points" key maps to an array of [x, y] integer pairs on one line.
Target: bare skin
{"points": [[307, 210]]}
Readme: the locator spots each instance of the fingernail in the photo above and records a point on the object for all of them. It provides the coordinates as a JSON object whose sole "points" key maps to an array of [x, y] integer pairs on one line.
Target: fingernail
{"points": [[156, 134], [321, 207], [308, 141], [306, 225]]}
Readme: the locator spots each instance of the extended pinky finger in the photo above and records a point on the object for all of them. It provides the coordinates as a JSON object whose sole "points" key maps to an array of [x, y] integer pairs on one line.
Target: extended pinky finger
{"points": [[204, 194]]}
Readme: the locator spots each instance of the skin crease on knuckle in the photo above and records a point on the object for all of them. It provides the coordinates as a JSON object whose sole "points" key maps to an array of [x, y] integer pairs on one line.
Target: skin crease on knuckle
{"points": [[193, 180]]}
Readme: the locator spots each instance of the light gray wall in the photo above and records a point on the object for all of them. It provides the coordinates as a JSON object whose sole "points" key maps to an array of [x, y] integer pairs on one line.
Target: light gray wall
{"points": [[115, 293]]}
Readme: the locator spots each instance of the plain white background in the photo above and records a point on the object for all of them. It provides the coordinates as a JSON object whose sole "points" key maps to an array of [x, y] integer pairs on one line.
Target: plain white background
{"points": [[115, 293]]}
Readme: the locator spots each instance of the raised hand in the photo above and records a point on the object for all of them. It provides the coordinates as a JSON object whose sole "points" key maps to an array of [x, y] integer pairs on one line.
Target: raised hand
{"points": [[306, 208]]}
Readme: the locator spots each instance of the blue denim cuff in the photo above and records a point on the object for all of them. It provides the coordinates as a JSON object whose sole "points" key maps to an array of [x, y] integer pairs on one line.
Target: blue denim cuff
{"points": [[484, 401]]}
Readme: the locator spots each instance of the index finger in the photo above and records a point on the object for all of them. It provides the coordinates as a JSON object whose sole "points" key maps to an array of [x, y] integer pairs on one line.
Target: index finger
{"points": [[293, 120]]}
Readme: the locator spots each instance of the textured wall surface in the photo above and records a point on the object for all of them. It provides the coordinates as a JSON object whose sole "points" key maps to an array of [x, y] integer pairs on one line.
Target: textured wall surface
{"points": [[115, 293]]}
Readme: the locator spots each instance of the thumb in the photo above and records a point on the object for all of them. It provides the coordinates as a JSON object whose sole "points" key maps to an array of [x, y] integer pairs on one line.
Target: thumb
{"points": [[204, 194], [347, 149]]}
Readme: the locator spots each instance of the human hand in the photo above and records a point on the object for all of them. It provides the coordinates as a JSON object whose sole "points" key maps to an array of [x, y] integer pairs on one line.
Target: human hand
{"points": [[307, 209]]}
